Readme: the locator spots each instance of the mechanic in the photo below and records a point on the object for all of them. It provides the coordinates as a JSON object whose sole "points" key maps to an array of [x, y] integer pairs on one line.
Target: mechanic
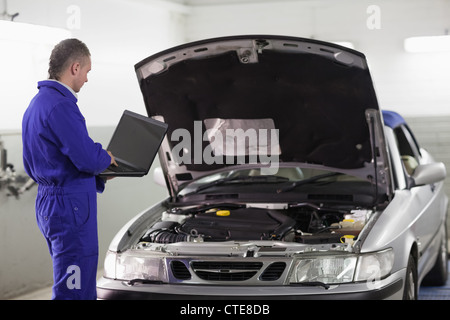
{"points": [[61, 157]]}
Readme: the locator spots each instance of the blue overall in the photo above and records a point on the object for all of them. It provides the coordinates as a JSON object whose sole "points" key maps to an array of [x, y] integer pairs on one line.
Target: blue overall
{"points": [[61, 157]]}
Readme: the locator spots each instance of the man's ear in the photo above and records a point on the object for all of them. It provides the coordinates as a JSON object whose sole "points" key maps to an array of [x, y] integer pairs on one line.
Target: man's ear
{"points": [[75, 68]]}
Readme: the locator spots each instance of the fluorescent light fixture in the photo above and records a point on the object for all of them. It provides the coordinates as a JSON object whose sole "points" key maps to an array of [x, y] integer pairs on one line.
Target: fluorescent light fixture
{"points": [[427, 44], [24, 32]]}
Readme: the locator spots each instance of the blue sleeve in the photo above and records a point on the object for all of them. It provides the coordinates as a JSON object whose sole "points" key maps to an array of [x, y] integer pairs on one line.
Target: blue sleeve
{"points": [[99, 184], [69, 127]]}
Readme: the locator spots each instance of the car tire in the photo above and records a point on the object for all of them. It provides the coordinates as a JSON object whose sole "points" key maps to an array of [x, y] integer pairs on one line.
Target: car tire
{"points": [[439, 273], [410, 290]]}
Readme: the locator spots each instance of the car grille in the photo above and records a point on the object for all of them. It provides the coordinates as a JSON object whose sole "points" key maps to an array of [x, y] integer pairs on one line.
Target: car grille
{"points": [[179, 270], [225, 271], [273, 272]]}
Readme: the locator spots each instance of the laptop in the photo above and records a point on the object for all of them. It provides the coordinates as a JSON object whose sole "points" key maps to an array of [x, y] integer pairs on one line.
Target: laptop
{"points": [[134, 144]]}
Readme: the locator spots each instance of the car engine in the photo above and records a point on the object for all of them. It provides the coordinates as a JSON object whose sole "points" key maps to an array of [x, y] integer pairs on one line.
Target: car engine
{"points": [[301, 223]]}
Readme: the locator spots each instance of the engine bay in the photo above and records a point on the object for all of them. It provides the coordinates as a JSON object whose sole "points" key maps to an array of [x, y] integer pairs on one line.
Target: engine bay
{"points": [[300, 223]]}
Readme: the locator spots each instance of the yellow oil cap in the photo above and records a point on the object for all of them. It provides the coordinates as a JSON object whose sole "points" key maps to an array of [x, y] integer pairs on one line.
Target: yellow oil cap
{"points": [[223, 213]]}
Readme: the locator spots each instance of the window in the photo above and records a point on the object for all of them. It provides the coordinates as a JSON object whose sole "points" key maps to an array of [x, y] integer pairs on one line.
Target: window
{"points": [[408, 148]]}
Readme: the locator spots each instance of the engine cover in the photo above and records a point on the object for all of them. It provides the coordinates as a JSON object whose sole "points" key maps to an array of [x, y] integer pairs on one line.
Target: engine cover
{"points": [[242, 224]]}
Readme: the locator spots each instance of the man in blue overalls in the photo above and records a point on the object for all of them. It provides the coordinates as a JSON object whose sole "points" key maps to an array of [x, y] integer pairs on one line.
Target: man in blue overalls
{"points": [[61, 157]]}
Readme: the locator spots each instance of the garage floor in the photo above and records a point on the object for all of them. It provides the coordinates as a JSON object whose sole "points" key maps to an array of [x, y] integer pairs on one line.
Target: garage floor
{"points": [[425, 293], [436, 293]]}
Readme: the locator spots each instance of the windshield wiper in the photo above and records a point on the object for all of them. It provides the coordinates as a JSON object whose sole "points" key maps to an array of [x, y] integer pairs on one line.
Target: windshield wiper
{"points": [[309, 180], [241, 179]]}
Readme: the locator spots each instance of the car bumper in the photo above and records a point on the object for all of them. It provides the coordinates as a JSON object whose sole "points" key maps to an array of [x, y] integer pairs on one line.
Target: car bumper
{"points": [[388, 288]]}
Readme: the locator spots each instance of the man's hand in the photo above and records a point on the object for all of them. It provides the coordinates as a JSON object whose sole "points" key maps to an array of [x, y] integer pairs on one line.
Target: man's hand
{"points": [[113, 160]]}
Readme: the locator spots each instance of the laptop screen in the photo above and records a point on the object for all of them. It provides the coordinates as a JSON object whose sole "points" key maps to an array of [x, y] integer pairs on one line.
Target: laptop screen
{"points": [[137, 139]]}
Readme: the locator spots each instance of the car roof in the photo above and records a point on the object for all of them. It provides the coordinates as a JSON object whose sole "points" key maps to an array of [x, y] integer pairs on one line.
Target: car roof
{"points": [[392, 119]]}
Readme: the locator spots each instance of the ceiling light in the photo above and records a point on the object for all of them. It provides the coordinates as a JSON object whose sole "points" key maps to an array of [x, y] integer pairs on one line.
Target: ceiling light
{"points": [[427, 44], [24, 32]]}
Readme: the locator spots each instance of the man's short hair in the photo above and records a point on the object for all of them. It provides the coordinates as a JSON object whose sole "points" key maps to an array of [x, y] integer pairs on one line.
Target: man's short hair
{"points": [[64, 54]]}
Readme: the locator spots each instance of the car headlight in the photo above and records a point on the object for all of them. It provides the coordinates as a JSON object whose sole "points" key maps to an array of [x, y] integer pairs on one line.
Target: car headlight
{"points": [[109, 266], [134, 265], [326, 269], [373, 266], [342, 267]]}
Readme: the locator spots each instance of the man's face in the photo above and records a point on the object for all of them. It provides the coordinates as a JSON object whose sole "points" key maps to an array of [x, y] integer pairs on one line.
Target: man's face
{"points": [[81, 74]]}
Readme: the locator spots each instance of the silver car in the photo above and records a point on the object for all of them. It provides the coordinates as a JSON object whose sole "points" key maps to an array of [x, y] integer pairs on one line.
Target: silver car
{"points": [[285, 180]]}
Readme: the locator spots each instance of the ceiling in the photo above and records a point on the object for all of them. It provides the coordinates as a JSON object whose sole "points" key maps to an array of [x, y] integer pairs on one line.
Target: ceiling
{"points": [[215, 2]]}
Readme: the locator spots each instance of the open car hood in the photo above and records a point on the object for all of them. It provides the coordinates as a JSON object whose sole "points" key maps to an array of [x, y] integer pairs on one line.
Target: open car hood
{"points": [[307, 101]]}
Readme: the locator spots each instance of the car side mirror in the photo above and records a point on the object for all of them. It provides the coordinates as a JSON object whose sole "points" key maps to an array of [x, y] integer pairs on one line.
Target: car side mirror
{"points": [[158, 177], [428, 173]]}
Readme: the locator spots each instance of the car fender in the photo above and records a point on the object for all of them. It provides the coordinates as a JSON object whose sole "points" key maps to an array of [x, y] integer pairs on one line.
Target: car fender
{"points": [[394, 229]]}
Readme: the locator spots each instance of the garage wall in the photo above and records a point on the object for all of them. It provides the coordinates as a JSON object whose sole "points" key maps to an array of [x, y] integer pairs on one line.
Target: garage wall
{"points": [[433, 134], [119, 34]]}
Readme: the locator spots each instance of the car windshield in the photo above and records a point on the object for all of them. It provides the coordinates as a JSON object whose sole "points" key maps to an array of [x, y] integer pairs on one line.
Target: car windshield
{"points": [[285, 180]]}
